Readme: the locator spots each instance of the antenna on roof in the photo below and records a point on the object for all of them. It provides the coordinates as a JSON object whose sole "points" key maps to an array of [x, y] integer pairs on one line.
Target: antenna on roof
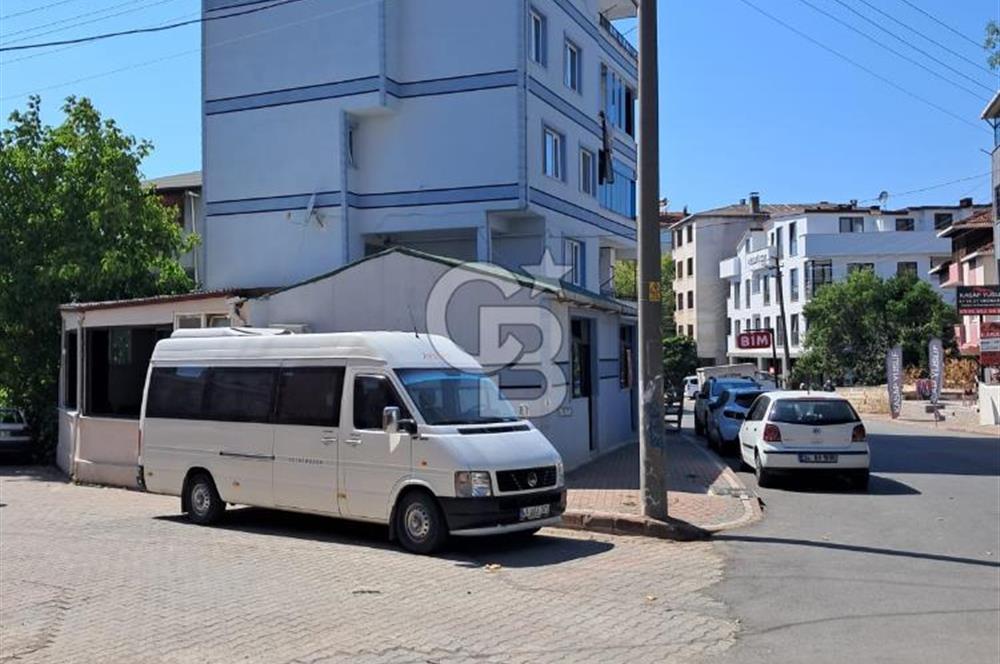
{"points": [[883, 198], [413, 322]]}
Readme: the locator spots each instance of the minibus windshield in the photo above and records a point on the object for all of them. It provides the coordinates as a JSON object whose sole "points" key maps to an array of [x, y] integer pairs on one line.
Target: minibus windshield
{"points": [[452, 396]]}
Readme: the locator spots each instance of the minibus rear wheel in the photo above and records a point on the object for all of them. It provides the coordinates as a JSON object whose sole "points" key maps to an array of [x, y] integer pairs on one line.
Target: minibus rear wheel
{"points": [[204, 506], [420, 525]]}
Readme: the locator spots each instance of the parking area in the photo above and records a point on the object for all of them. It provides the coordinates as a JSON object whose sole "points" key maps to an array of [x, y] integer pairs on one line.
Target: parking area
{"points": [[92, 574]]}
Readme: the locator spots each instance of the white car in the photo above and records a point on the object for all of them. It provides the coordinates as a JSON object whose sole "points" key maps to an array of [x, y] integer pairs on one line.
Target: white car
{"points": [[690, 387], [792, 432]]}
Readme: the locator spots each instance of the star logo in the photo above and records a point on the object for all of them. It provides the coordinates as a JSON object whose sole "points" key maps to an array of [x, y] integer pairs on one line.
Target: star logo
{"points": [[546, 274]]}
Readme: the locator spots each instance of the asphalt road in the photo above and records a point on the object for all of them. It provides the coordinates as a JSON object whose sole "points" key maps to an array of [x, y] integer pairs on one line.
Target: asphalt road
{"points": [[908, 572]]}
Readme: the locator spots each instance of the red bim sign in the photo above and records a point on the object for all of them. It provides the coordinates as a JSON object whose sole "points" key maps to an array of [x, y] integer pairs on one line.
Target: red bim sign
{"points": [[752, 340]]}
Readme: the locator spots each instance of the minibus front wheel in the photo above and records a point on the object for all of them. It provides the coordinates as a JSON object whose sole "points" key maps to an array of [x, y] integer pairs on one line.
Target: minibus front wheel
{"points": [[201, 500], [420, 524]]}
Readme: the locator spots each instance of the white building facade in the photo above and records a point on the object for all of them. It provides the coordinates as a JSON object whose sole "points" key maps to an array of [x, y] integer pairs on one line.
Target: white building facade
{"points": [[334, 129], [822, 245]]}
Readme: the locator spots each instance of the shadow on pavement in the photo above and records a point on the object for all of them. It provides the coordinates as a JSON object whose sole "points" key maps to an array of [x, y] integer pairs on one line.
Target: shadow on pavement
{"points": [[41, 473], [749, 539], [833, 483], [935, 454], [509, 551]]}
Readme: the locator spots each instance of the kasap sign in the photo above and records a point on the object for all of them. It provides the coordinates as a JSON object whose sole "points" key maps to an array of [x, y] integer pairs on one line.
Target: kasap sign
{"points": [[978, 300]]}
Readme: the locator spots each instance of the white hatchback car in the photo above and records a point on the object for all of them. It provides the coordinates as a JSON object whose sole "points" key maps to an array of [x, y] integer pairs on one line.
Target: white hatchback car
{"points": [[804, 431]]}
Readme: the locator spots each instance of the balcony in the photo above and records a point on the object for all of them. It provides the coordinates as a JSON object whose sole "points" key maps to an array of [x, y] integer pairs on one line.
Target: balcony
{"points": [[618, 37], [729, 268], [954, 277]]}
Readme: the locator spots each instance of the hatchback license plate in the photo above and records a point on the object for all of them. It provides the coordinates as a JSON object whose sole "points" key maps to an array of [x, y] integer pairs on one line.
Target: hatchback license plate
{"points": [[533, 512], [817, 458]]}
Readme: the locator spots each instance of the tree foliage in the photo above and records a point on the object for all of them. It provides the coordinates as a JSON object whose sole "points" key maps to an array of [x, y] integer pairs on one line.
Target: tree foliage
{"points": [[680, 359], [76, 224], [852, 323], [624, 275], [991, 43]]}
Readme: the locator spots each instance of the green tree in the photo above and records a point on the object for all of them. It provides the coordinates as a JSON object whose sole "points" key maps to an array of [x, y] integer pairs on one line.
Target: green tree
{"points": [[624, 278], [991, 43], [680, 359], [76, 224], [852, 323]]}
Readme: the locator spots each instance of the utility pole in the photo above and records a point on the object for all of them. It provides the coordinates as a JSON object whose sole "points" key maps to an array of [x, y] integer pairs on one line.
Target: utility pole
{"points": [[652, 477], [783, 327]]}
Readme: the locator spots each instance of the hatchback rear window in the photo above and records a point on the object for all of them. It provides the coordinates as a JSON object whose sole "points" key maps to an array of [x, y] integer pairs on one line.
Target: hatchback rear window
{"points": [[744, 400], [813, 412]]}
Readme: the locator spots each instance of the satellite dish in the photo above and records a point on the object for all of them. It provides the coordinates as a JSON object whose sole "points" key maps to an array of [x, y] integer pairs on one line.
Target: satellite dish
{"points": [[883, 198]]}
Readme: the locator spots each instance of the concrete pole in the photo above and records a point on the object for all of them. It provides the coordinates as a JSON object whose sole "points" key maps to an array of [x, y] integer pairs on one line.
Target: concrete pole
{"points": [[652, 480], [787, 364]]}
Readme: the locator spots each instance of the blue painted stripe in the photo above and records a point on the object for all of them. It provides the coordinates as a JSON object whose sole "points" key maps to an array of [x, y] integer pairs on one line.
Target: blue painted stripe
{"points": [[271, 204], [451, 196], [595, 31], [551, 202], [539, 89], [452, 84], [292, 95], [456, 195]]}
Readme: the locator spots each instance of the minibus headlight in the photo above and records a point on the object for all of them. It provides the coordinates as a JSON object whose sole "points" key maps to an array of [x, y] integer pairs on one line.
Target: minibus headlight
{"points": [[473, 484], [560, 474]]}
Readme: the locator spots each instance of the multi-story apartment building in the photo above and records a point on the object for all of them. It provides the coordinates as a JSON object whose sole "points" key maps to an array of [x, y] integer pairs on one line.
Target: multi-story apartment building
{"points": [[471, 129], [820, 245], [700, 241], [972, 263]]}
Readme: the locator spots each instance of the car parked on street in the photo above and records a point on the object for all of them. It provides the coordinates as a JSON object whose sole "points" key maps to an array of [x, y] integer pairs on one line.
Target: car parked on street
{"points": [[690, 387], [726, 416], [15, 436], [797, 432], [709, 394]]}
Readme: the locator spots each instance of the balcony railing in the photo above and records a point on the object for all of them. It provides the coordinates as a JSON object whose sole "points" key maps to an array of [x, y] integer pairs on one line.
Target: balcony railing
{"points": [[618, 37]]}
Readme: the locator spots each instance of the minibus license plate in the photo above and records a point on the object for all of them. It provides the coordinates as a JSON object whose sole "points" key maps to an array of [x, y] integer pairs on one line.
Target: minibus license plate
{"points": [[534, 512], [817, 458]]}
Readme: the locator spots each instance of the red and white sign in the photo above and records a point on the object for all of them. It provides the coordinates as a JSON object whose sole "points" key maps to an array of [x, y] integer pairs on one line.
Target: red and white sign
{"points": [[753, 340], [989, 345]]}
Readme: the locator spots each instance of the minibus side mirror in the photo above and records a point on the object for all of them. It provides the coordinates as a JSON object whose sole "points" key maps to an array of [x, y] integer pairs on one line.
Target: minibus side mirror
{"points": [[390, 419]]}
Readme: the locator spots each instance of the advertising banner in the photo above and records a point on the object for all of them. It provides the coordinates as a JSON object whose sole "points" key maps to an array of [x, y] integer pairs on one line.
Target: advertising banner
{"points": [[894, 379], [978, 300], [989, 345], [935, 357], [754, 339]]}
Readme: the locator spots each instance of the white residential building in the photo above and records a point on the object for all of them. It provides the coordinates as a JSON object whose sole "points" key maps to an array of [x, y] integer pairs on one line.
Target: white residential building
{"points": [[820, 245], [470, 129]]}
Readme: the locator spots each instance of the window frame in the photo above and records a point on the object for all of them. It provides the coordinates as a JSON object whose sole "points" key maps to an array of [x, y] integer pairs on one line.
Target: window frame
{"points": [[538, 26], [905, 221], [856, 224], [793, 239], [572, 54], [573, 256], [361, 375], [558, 152], [335, 417], [588, 176]]}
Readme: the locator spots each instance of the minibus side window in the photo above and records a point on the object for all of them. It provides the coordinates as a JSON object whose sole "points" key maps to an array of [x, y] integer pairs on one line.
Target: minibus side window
{"points": [[241, 394], [372, 394], [310, 396], [177, 393]]}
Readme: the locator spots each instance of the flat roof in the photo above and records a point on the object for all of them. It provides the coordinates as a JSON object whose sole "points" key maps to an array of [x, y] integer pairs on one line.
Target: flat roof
{"points": [[190, 180], [163, 299]]}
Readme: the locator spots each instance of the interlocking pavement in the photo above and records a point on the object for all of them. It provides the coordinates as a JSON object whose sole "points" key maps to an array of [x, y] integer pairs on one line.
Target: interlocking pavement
{"points": [[107, 575]]}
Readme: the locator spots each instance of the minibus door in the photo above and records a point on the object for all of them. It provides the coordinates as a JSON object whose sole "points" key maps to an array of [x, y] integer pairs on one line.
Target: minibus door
{"points": [[371, 460]]}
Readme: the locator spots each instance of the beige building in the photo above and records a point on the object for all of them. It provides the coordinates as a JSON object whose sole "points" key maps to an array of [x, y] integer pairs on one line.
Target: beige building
{"points": [[700, 241]]}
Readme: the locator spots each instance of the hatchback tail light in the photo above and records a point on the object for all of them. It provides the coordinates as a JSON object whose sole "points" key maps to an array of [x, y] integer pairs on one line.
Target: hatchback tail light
{"points": [[772, 434], [859, 434]]}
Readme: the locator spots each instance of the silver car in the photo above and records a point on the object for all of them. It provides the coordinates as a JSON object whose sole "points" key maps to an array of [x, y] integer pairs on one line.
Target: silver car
{"points": [[15, 438], [726, 415]]}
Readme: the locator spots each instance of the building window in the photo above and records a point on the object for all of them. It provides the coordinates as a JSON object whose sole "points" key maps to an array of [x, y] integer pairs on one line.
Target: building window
{"points": [[767, 289], [690, 232], [746, 294], [626, 343], [573, 257], [756, 284], [749, 326], [736, 295], [746, 246], [793, 239], [588, 172], [552, 156], [779, 334], [736, 328], [690, 299], [852, 224], [680, 301], [619, 196], [942, 220], [678, 238], [795, 330], [856, 267], [69, 379], [793, 282], [756, 322], [571, 66], [778, 242], [539, 38], [818, 273], [680, 330], [690, 262], [906, 267], [120, 346], [618, 101], [904, 224], [767, 322], [691, 331], [680, 270]]}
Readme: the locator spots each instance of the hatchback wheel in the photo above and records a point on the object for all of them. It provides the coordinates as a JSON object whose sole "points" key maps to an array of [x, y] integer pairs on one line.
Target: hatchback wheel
{"points": [[765, 478]]}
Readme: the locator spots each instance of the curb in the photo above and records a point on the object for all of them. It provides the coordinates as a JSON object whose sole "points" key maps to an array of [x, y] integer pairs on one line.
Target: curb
{"points": [[614, 523]]}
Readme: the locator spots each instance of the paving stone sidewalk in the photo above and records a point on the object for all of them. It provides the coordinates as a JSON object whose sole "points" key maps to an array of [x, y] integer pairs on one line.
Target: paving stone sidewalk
{"points": [[701, 489]]}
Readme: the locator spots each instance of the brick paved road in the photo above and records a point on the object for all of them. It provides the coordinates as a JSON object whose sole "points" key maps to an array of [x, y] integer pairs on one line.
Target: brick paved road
{"points": [[90, 574]]}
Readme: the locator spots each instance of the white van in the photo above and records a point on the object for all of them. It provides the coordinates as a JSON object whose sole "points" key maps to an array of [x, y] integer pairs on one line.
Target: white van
{"points": [[385, 427]]}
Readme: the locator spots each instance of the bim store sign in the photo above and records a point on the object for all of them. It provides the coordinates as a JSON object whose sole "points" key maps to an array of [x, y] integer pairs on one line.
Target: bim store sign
{"points": [[754, 340], [978, 300]]}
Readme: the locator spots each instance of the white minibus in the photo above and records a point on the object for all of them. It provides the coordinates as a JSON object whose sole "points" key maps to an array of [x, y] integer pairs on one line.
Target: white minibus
{"points": [[388, 427]]}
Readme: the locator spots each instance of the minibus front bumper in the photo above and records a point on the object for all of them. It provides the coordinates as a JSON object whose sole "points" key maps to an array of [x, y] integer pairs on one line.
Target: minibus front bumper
{"points": [[499, 514]]}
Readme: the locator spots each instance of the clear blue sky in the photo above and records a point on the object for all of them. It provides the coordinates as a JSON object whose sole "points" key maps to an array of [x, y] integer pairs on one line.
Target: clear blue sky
{"points": [[745, 103]]}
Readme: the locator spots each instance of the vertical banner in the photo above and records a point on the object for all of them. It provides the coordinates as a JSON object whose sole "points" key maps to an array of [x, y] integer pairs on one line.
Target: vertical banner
{"points": [[935, 357], [894, 379]]}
